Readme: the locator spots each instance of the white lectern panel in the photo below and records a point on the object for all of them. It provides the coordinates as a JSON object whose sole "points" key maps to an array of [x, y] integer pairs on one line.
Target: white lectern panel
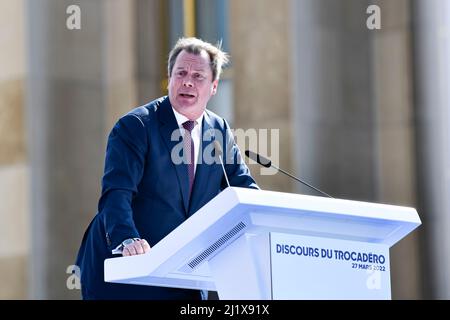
{"points": [[189, 256]]}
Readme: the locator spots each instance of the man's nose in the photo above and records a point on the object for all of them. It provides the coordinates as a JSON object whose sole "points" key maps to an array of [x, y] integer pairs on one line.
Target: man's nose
{"points": [[188, 82]]}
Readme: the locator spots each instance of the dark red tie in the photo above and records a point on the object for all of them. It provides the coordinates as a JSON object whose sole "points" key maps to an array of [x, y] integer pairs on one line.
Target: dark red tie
{"points": [[188, 151]]}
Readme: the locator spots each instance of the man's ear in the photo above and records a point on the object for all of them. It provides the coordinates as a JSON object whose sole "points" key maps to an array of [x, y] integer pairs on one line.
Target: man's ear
{"points": [[214, 87]]}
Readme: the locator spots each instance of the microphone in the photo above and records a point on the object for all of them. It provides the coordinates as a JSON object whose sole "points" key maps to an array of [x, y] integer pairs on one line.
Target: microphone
{"points": [[267, 163], [219, 153]]}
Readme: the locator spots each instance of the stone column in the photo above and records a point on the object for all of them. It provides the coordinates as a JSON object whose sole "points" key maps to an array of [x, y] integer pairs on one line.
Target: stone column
{"points": [[260, 49], [152, 48], [432, 82], [394, 113], [14, 164], [352, 103], [333, 105], [80, 82]]}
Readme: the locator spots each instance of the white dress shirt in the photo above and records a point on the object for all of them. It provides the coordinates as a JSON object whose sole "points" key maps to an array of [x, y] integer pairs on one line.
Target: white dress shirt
{"points": [[196, 133]]}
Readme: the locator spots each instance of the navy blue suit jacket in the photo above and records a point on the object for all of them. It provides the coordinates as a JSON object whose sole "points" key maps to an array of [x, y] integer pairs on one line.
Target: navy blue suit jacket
{"points": [[145, 195]]}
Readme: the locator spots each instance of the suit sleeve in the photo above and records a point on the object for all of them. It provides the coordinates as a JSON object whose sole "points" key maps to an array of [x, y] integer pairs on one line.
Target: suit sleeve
{"points": [[237, 171], [124, 166]]}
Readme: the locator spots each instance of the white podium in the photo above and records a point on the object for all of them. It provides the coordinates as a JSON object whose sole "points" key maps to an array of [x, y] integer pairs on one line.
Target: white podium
{"points": [[255, 244]]}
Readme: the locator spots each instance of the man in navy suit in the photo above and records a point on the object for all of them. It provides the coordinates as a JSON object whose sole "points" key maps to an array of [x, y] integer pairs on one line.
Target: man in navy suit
{"points": [[146, 190]]}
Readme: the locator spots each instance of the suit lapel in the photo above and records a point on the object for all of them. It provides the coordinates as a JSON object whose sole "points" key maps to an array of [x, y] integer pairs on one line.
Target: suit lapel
{"points": [[168, 125], [204, 165]]}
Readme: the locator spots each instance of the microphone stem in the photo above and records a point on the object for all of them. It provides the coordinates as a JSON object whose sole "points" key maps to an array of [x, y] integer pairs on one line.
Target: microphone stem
{"points": [[223, 168], [307, 184]]}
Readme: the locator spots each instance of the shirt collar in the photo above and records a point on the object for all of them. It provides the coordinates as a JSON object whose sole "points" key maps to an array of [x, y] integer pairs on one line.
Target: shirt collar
{"points": [[182, 119]]}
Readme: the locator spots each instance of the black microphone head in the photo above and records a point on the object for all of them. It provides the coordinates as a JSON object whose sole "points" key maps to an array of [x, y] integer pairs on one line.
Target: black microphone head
{"points": [[258, 158]]}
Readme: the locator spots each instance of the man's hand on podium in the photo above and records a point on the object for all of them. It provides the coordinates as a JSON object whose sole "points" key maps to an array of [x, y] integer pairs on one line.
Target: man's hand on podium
{"points": [[139, 246]]}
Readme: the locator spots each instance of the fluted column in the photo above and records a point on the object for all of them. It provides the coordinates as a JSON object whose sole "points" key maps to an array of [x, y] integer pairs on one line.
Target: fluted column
{"points": [[14, 163], [260, 47], [80, 82], [432, 83], [353, 111]]}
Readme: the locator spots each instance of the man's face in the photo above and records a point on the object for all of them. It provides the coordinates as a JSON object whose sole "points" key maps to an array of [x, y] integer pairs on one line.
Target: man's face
{"points": [[191, 85]]}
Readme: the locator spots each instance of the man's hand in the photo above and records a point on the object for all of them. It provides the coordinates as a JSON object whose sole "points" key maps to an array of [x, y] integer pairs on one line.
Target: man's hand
{"points": [[137, 247]]}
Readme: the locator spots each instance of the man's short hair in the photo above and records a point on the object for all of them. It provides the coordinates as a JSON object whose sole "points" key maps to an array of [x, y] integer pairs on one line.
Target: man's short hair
{"points": [[218, 57]]}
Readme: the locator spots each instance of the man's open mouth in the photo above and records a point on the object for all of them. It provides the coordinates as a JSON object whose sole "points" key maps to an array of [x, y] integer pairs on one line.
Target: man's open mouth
{"points": [[187, 95]]}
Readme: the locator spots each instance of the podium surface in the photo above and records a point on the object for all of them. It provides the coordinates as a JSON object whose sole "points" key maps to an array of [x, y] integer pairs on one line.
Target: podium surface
{"points": [[256, 244]]}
